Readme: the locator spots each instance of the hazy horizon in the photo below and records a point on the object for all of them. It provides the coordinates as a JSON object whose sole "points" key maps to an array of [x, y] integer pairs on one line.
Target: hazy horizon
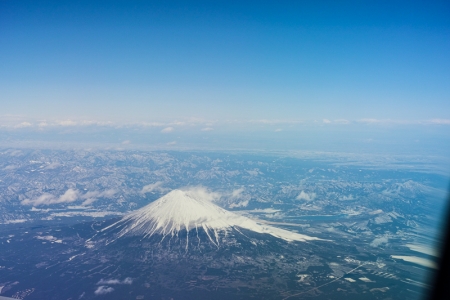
{"points": [[341, 77]]}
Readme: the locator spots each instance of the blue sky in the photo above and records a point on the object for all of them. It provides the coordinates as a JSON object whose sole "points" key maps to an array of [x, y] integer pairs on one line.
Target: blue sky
{"points": [[226, 63]]}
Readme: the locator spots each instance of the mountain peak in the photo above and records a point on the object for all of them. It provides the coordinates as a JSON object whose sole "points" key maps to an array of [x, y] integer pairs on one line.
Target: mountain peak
{"points": [[181, 209], [188, 210]]}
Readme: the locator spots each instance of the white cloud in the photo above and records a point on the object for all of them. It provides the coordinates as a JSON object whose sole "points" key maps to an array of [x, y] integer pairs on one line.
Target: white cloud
{"points": [[278, 130], [67, 123], [10, 167], [91, 197], [342, 121], [389, 121], [46, 199], [306, 196], [417, 260], [41, 124], [239, 204], [379, 241], [52, 165], [238, 198], [153, 187], [273, 122], [237, 193], [95, 122], [179, 123], [200, 192], [20, 122], [167, 129], [127, 280], [171, 143], [102, 290], [440, 121], [338, 121], [23, 125], [12, 119], [69, 196], [347, 198], [149, 124], [372, 121], [126, 142]]}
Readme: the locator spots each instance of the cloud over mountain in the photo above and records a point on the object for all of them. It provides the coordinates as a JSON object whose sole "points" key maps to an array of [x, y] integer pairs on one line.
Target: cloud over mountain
{"points": [[102, 290], [69, 196]]}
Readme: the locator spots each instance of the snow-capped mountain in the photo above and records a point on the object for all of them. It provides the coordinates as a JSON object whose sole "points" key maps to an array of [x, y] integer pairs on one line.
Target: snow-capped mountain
{"points": [[183, 212]]}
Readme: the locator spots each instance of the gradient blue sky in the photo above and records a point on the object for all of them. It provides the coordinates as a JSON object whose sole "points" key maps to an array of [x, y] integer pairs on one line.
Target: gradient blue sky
{"points": [[274, 62]]}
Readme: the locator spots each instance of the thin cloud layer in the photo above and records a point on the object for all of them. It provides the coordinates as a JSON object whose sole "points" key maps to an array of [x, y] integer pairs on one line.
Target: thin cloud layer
{"points": [[200, 192], [102, 290], [167, 130], [127, 280], [69, 196], [379, 241], [276, 121], [91, 197], [24, 123], [238, 198], [153, 187], [237, 193], [440, 121], [47, 199], [341, 121], [306, 196]]}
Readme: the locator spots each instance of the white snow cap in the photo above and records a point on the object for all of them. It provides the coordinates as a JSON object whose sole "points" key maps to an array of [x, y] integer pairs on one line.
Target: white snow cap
{"points": [[193, 209]]}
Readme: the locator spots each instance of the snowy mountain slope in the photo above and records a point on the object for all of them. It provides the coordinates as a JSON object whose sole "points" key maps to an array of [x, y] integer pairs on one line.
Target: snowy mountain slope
{"points": [[181, 210]]}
